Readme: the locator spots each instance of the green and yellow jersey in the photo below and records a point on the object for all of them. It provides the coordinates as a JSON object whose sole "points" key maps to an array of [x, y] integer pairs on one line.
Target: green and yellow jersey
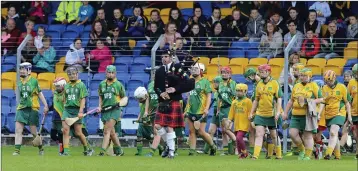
{"points": [[198, 97], [239, 113], [58, 102], [74, 92], [226, 93], [335, 100], [267, 95], [310, 90], [111, 92], [29, 93], [352, 89]]}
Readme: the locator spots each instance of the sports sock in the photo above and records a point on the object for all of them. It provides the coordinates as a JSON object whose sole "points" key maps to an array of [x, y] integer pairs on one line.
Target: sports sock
{"points": [[337, 153], [60, 147], [139, 147], [65, 148], [40, 147], [191, 151], [251, 149], [257, 151], [294, 149], [103, 150], [231, 149], [308, 152], [278, 152], [226, 149], [85, 148], [17, 147], [152, 150], [270, 148], [170, 140], [329, 151], [301, 147], [160, 147]]}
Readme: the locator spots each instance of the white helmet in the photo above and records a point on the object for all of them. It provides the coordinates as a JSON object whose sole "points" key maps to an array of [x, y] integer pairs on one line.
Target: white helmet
{"points": [[59, 83], [140, 93], [27, 66], [201, 66]]}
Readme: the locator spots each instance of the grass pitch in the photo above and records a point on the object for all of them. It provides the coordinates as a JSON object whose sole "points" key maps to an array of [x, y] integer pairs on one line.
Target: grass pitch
{"points": [[30, 161]]}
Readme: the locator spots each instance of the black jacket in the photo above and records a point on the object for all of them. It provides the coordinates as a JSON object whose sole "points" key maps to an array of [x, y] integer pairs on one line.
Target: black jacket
{"points": [[235, 31], [338, 43], [176, 79]]}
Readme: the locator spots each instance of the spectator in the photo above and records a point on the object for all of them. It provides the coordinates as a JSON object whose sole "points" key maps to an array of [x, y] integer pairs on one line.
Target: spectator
{"points": [[152, 37], [292, 27], [332, 43], [100, 57], [270, 8], [75, 57], [96, 33], [347, 75], [300, 7], [118, 43], [107, 6], [180, 50], [29, 51], [84, 14], [293, 15], [22, 8], [216, 16], [170, 35], [67, 12], [45, 58], [119, 21], [11, 43], [155, 17], [196, 41], [137, 24], [29, 30], [323, 11], [101, 17], [38, 38], [235, 25], [292, 60], [217, 44], [198, 18], [177, 18], [11, 13], [39, 11], [4, 37], [278, 21], [310, 46], [340, 10], [244, 7], [254, 26], [271, 42], [352, 30], [312, 23]]}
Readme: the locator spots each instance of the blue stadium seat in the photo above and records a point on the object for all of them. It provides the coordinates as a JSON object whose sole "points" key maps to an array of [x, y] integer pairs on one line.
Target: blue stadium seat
{"points": [[140, 76], [317, 77], [95, 84], [54, 6], [134, 84], [10, 60], [239, 78], [84, 76], [8, 93], [124, 59], [254, 44], [55, 35], [240, 45], [85, 36], [88, 28], [223, 4], [350, 63], [10, 122], [133, 110], [51, 17], [252, 53], [187, 12], [128, 12], [136, 67], [132, 102], [340, 79], [138, 47], [36, 27], [121, 67], [93, 122], [13, 103], [7, 67], [6, 101], [3, 120], [69, 35], [94, 93], [235, 53], [93, 101], [123, 76], [61, 52], [66, 44], [143, 60], [75, 28], [99, 76], [207, 7], [57, 27], [48, 123]]}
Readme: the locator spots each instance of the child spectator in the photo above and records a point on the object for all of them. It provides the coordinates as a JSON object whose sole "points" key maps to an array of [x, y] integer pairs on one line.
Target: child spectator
{"points": [[312, 23], [352, 30], [84, 14], [310, 46], [38, 38], [323, 11], [292, 27], [254, 26]]}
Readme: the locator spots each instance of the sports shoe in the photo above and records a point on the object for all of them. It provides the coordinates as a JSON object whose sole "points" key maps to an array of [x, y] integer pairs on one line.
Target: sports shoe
{"points": [[306, 158], [243, 156], [160, 150], [89, 152], [171, 154], [213, 150], [327, 157], [191, 154], [301, 155], [16, 153], [343, 149], [101, 154], [65, 154], [200, 152], [268, 157], [165, 152], [356, 157], [335, 158], [137, 154], [253, 158], [289, 154], [278, 158], [41, 152], [150, 154], [121, 153]]}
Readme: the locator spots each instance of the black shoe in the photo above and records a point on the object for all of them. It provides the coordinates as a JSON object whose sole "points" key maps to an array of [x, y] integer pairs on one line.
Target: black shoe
{"points": [[101, 153], [213, 150], [327, 157], [165, 152]]}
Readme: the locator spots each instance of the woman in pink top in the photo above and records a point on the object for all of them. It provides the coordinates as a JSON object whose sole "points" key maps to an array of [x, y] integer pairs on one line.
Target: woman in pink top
{"points": [[101, 56], [170, 35], [39, 11]]}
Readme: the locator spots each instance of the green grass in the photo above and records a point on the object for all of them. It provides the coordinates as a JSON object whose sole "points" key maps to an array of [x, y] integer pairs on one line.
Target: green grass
{"points": [[30, 161]]}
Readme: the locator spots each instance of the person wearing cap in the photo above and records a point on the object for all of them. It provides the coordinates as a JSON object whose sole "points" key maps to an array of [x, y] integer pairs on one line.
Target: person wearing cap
{"points": [[353, 90], [27, 110], [110, 92], [337, 107], [265, 110], [302, 93]]}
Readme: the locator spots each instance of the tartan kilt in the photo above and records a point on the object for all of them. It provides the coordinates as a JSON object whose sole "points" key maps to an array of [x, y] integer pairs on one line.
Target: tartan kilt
{"points": [[173, 119]]}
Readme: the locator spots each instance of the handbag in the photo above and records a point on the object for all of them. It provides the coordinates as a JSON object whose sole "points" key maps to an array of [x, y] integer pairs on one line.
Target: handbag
{"points": [[164, 107]]}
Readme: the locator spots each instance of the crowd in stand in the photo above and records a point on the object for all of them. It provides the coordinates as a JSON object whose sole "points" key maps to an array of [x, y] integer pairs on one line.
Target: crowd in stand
{"points": [[270, 24]]}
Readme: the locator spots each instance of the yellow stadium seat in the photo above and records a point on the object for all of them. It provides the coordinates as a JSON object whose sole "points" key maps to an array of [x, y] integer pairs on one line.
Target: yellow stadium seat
{"points": [[148, 10], [353, 44], [62, 59], [226, 12], [337, 62], [324, 29], [258, 61], [276, 71], [132, 43], [59, 67], [221, 60], [321, 62], [3, 12], [277, 61], [45, 80], [62, 74], [212, 69], [34, 74], [7, 84], [303, 61], [203, 60], [210, 77], [316, 70], [165, 19], [237, 69], [164, 12], [240, 61], [336, 69], [185, 4], [9, 76], [251, 66], [350, 53]]}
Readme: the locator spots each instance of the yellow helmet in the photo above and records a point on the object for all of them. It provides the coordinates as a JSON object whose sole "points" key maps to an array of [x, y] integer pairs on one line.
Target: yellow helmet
{"points": [[241, 87], [298, 66], [306, 71], [329, 75]]}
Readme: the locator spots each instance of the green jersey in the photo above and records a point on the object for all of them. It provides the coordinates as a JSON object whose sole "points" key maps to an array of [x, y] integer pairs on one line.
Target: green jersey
{"points": [[153, 100], [227, 93], [111, 93], [58, 99], [198, 97], [215, 103], [74, 92], [29, 94]]}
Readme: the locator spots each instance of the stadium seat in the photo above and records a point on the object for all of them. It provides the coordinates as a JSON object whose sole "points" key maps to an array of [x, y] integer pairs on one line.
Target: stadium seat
{"points": [[88, 28], [134, 84], [204, 60], [210, 77], [353, 44], [240, 61], [340, 79], [143, 60], [252, 53], [128, 12], [336, 69], [55, 35], [94, 85], [85, 36], [5, 67], [225, 12], [316, 70], [224, 61], [78, 29], [123, 59], [7, 84], [350, 53], [62, 74], [303, 61], [187, 12], [123, 76], [131, 43], [321, 62], [251, 66], [10, 120], [69, 35], [324, 29], [240, 45], [165, 19], [236, 69], [277, 61], [238, 78], [138, 47], [59, 67], [4, 12], [185, 4], [140, 76], [351, 62], [9, 75], [57, 27], [147, 11], [258, 61], [46, 80], [10, 60], [137, 67], [121, 67], [93, 121], [164, 12], [5, 100], [93, 100], [99, 76], [336, 62], [212, 69], [235, 53], [132, 107], [276, 71], [84, 76]]}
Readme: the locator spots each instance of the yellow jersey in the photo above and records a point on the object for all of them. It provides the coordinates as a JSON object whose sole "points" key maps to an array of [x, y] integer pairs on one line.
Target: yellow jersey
{"points": [[267, 95], [352, 89], [335, 100], [239, 112], [310, 90]]}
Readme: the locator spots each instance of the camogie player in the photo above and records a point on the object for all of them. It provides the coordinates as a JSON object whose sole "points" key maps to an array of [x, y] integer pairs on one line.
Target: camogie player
{"points": [[28, 106], [318, 147], [302, 92], [239, 114], [74, 103], [58, 105], [110, 92], [336, 105], [352, 89], [267, 94], [226, 94], [197, 109]]}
